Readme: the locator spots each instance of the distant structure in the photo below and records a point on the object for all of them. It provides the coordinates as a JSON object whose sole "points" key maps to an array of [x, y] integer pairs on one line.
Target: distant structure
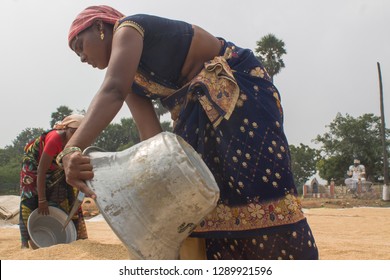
{"points": [[315, 187]]}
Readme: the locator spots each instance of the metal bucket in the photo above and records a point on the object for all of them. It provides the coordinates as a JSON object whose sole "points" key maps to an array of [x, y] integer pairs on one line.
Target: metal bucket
{"points": [[47, 230], [153, 194]]}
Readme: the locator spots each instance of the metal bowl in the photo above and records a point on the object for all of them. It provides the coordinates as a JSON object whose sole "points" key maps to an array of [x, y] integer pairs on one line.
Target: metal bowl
{"points": [[47, 230]]}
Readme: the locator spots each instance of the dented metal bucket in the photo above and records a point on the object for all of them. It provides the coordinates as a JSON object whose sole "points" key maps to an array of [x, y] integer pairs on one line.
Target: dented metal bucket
{"points": [[153, 194]]}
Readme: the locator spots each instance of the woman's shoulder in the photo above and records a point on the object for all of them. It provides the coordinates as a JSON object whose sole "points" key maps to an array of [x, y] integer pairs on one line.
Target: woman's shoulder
{"points": [[53, 135], [53, 143]]}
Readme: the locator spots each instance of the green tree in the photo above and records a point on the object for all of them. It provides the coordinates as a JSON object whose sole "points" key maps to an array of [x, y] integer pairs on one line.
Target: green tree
{"points": [[303, 163], [25, 137], [349, 138], [118, 136], [11, 158], [9, 175], [269, 52], [5, 155], [166, 126], [333, 167], [60, 114]]}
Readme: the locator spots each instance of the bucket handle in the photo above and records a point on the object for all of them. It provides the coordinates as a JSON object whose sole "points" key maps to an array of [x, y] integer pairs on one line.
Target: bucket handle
{"points": [[91, 149]]}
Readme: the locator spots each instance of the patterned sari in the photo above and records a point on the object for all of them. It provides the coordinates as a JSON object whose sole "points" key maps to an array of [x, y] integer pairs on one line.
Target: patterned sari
{"points": [[58, 193], [231, 114]]}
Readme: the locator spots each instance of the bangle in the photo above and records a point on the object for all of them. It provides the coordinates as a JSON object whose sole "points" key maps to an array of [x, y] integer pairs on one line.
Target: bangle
{"points": [[42, 200], [65, 152]]}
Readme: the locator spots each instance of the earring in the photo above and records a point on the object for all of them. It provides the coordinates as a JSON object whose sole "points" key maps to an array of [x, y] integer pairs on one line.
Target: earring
{"points": [[101, 35]]}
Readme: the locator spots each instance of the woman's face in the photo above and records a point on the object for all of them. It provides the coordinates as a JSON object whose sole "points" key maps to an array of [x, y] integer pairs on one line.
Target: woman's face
{"points": [[91, 49]]}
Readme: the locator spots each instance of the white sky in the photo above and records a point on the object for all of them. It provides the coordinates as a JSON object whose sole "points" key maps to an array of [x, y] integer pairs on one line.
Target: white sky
{"points": [[332, 47]]}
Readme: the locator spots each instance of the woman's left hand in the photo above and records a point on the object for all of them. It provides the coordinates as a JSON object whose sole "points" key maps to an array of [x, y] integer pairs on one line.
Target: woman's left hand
{"points": [[78, 169]]}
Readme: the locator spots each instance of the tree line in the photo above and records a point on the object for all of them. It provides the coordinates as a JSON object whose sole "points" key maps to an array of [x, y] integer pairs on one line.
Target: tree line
{"points": [[347, 138], [116, 137]]}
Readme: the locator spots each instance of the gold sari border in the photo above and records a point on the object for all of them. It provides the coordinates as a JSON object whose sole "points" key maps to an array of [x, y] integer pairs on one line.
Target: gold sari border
{"points": [[130, 23], [283, 211]]}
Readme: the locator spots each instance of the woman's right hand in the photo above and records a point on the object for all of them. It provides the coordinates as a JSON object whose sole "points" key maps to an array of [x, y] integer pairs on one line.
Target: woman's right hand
{"points": [[78, 169], [43, 207]]}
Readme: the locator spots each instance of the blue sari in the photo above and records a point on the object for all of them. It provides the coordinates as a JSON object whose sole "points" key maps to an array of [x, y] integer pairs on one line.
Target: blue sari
{"points": [[231, 114]]}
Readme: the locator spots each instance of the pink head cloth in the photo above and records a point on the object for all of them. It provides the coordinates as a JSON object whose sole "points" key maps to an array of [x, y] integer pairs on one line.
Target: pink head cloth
{"points": [[88, 16]]}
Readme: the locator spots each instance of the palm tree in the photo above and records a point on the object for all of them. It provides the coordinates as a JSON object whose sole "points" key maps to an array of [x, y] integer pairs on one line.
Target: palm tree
{"points": [[269, 52]]}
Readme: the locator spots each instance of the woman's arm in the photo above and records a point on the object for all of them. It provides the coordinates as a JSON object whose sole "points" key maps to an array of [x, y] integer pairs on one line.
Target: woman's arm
{"points": [[144, 115], [125, 56], [43, 167]]}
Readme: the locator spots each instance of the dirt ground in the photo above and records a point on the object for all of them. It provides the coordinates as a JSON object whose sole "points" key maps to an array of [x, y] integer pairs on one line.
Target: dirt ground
{"points": [[350, 229], [344, 229]]}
